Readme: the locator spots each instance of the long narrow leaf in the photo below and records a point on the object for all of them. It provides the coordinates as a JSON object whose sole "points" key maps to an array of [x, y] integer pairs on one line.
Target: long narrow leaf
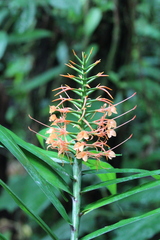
{"points": [[92, 164], [54, 174], [120, 180], [9, 143], [119, 224], [28, 211], [47, 173], [2, 237], [49, 157], [111, 199], [115, 170], [41, 79], [28, 36]]}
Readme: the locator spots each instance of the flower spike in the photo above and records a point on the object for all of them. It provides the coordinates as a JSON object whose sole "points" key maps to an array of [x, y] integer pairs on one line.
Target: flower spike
{"points": [[84, 137]]}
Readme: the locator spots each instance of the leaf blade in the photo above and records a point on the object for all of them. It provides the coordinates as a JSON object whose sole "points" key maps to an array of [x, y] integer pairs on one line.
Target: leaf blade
{"points": [[2, 237], [28, 211], [107, 200], [49, 157], [120, 180], [48, 173], [92, 164], [119, 224], [9, 143]]}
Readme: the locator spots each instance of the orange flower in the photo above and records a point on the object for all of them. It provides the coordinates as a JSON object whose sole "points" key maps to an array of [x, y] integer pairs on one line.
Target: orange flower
{"points": [[79, 146], [81, 135], [111, 132], [92, 134], [53, 135], [111, 123], [62, 147], [110, 154], [51, 130], [52, 118], [52, 109], [59, 144], [62, 131], [111, 109], [83, 155]]}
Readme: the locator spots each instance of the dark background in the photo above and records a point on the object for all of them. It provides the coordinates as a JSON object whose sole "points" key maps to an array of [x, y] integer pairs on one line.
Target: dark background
{"points": [[36, 39]]}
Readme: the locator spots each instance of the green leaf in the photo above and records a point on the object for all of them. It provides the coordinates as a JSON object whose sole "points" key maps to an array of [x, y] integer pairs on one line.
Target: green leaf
{"points": [[145, 29], [24, 191], [10, 144], [2, 237], [66, 4], [47, 172], [108, 177], [147, 228], [49, 157], [116, 170], [26, 19], [30, 84], [103, 176], [41, 136], [92, 20], [28, 211], [119, 224], [120, 180], [28, 36], [156, 176], [3, 43], [111, 199], [20, 66]]}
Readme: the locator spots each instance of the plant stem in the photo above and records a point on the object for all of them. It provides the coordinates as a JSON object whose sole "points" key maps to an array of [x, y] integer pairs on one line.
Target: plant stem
{"points": [[77, 164], [76, 199]]}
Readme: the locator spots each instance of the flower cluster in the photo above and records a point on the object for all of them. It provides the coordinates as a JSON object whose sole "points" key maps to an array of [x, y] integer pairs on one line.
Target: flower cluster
{"points": [[87, 135]]}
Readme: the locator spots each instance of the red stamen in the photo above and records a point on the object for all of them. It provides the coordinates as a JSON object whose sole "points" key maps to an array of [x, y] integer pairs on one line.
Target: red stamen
{"points": [[121, 142], [125, 99], [126, 122], [125, 113], [38, 121], [36, 132]]}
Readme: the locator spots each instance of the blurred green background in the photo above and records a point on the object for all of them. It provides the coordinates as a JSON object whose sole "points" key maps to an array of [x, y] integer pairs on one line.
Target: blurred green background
{"points": [[36, 40]]}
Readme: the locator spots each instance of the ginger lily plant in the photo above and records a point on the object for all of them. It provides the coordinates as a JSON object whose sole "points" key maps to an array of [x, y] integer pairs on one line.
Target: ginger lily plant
{"points": [[78, 136], [89, 138]]}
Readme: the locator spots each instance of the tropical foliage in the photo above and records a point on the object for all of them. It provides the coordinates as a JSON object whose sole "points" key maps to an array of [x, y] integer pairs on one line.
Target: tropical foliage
{"points": [[36, 39]]}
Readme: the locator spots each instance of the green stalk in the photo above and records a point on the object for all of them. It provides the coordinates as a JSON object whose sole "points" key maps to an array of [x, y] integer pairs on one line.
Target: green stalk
{"points": [[77, 164], [76, 199]]}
